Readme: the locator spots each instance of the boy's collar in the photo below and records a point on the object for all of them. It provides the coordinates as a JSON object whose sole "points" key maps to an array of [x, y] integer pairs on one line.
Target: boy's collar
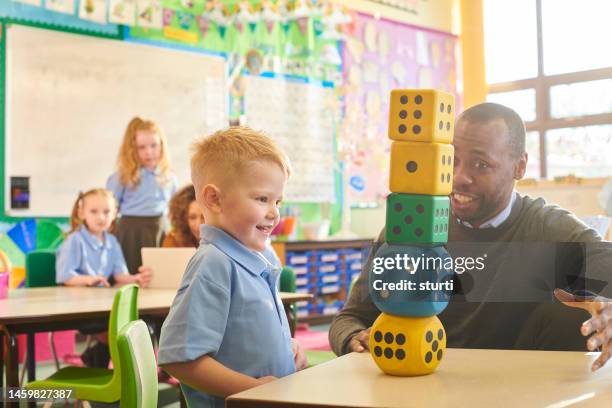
{"points": [[92, 240], [250, 260]]}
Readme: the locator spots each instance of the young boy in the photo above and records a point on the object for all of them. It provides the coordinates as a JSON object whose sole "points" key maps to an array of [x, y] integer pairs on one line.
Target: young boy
{"points": [[227, 330]]}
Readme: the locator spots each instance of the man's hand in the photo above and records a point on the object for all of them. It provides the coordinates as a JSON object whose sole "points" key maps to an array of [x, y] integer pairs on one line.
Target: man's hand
{"points": [[299, 356], [600, 323], [361, 341]]}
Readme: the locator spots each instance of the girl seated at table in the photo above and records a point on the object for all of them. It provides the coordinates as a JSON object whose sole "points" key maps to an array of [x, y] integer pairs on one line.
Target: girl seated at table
{"points": [[91, 256]]}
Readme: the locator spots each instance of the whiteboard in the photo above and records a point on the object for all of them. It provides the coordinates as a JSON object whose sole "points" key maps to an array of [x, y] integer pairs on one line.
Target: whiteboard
{"points": [[299, 116], [69, 98]]}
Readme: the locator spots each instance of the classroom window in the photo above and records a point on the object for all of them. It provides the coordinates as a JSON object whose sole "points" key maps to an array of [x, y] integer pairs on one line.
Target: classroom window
{"points": [[581, 98], [522, 101], [566, 101], [582, 151]]}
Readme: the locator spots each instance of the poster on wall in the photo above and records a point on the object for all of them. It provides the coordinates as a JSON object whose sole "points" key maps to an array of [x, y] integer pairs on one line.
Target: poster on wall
{"points": [[375, 62], [122, 12], [93, 10], [60, 6], [149, 14]]}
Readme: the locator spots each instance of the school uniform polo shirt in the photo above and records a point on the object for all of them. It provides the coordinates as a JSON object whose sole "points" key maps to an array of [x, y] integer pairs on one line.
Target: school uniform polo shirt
{"points": [[147, 199], [228, 307], [83, 254]]}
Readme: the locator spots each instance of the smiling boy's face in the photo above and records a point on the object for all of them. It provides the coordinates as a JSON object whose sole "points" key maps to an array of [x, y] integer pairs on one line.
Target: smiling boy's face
{"points": [[250, 205]]}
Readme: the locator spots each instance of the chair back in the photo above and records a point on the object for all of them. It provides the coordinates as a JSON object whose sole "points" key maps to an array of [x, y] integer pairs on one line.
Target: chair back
{"points": [[287, 280], [124, 311], [40, 268], [138, 366]]}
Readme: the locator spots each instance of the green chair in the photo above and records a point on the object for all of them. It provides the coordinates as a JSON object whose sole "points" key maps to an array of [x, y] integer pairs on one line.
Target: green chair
{"points": [[40, 273], [40, 268], [138, 366], [98, 384]]}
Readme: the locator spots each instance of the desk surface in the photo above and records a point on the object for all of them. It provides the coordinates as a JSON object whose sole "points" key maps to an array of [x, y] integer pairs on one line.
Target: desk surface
{"points": [[44, 304], [478, 378]]}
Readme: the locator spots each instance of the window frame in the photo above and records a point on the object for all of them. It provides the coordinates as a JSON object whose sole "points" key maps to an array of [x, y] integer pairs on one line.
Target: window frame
{"points": [[542, 85]]}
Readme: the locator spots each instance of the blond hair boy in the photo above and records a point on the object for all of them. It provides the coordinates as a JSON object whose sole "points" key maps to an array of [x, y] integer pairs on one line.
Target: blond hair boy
{"points": [[229, 293]]}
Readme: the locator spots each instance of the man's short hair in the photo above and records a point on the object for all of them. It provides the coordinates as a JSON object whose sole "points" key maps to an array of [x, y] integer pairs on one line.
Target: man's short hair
{"points": [[221, 157], [488, 111]]}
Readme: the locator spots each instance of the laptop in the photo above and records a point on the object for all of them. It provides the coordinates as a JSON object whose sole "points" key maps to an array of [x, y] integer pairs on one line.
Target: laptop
{"points": [[168, 265]]}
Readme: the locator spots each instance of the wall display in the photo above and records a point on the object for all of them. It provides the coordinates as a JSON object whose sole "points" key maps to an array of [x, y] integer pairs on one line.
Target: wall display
{"points": [[299, 115], [373, 65]]}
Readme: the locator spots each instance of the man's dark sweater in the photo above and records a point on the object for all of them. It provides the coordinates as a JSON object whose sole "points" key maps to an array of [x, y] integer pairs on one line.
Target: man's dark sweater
{"points": [[512, 319]]}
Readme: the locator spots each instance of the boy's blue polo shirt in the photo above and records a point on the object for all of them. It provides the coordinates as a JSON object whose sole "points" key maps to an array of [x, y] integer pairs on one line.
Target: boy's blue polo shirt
{"points": [[83, 254], [228, 307]]}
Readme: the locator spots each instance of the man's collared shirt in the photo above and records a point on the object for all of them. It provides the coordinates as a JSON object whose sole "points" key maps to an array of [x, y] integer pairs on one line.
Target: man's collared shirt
{"points": [[147, 199], [84, 254], [228, 307], [499, 218]]}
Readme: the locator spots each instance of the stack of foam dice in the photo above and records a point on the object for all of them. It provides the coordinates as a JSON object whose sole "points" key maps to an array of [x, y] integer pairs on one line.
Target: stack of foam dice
{"points": [[408, 338]]}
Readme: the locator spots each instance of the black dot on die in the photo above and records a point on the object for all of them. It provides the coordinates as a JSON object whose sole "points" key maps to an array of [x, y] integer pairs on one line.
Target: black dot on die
{"points": [[378, 351], [402, 129], [442, 178], [440, 334], [441, 125], [417, 114], [411, 166], [400, 339], [429, 336], [445, 227], [400, 354], [448, 177], [416, 129], [448, 109], [420, 208], [378, 336], [403, 99], [389, 353], [403, 114], [437, 212], [434, 345], [398, 207], [439, 355], [397, 230], [442, 107], [408, 219], [450, 160], [443, 160], [436, 228], [428, 357], [446, 212], [447, 125], [418, 99], [418, 232], [388, 337]]}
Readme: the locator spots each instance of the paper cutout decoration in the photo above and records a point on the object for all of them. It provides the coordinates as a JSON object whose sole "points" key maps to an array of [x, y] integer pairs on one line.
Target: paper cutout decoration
{"points": [[60, 6], [122, 12], [93, 10]]}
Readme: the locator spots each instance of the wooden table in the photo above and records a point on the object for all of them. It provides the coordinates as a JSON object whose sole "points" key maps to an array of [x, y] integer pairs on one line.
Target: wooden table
{"points": [[465, 378], [36, 310]]}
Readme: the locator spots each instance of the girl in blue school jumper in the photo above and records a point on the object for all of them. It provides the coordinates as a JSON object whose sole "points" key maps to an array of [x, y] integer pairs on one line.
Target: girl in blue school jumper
{"points": [[91, 256], [143, 185]]}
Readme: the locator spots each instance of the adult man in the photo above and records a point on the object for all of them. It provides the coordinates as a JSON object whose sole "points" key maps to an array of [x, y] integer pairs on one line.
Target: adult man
{"points": [[489, 157]]}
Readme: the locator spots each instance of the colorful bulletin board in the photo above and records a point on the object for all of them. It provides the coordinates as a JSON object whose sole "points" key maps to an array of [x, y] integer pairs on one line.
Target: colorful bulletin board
{"points": [[300, 115], [381, 55]]}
